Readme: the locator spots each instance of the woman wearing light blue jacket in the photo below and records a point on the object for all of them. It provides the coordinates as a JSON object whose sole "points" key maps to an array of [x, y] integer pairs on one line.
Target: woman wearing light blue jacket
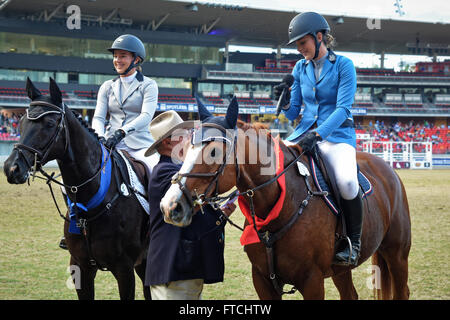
{"points": [[325, 83], [130, 100]]}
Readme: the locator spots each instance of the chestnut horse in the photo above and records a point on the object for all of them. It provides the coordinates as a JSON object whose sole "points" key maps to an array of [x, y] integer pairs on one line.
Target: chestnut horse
{"points": [[303, 251]]}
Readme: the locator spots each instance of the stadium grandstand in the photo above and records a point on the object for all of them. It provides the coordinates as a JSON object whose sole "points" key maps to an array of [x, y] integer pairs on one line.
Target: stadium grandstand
{"points": [[402, 115]]}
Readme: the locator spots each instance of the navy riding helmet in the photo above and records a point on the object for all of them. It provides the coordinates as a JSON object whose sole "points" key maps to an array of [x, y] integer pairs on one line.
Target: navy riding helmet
{"points": [[130, 43], [308, 23]]}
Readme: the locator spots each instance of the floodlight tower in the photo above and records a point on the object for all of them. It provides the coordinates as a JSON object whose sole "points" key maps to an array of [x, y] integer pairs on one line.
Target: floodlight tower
{"points": [[398, 4]]}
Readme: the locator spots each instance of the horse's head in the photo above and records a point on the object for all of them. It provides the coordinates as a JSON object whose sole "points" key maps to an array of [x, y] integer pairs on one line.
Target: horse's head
{"points": [[208, 167], [41, 134]]}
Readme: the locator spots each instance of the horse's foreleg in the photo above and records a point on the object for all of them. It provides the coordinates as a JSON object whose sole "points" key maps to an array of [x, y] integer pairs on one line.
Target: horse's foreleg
{"points": [[344, 284], [263, 286], [140, 270], [124, 275], [83, 278]]}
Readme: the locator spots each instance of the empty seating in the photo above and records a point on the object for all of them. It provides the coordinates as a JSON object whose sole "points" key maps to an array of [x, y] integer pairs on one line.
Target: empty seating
{"points": [[264, 101], [21, 92], [246, 101], [214, 100], [176, 98], [86, 94]]}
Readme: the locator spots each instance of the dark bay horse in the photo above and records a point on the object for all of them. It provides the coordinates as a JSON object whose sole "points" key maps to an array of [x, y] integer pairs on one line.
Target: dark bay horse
{"points": [[113, 236], [303, 252]]}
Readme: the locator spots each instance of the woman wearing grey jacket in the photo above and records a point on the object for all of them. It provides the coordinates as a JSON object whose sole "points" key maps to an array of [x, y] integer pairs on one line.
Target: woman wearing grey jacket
{"points": [[130, 100]]}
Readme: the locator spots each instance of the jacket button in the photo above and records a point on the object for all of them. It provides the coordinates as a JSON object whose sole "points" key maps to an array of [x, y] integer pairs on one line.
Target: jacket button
{"points": [[314, 88], [218, 223]]}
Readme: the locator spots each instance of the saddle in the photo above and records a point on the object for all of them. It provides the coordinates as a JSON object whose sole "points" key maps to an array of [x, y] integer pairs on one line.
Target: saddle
{"points": [[139, 168], [324, 180], [135, 176]]}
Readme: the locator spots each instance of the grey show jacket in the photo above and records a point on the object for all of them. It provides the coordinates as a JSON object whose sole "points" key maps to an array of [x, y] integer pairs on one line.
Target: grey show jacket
{"points": [[131, 113]]}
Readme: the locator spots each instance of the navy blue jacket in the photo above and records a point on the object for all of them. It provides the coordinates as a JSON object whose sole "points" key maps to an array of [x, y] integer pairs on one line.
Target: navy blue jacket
{"points": [[175, 253]]}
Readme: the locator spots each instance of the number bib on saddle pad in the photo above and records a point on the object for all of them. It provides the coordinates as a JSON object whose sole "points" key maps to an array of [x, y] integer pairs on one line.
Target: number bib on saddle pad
{"points": [[322, 185]]}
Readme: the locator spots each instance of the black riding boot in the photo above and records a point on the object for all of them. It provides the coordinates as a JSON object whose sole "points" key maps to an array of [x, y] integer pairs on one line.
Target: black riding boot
{"points": [[63, 244], [353, 211]]}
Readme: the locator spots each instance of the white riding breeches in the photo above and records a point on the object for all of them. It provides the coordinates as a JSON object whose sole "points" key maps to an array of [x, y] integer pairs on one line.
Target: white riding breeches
{"points": [[341, 157]]}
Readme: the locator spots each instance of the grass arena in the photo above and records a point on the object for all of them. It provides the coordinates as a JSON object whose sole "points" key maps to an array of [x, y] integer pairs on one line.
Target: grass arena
{"points": [[33, 267], [384, 66]]}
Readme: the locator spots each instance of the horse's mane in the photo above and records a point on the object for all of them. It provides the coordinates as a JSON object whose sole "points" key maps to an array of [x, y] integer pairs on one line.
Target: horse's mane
{"points": [[255, 125], [262, 126], [85, 124]]}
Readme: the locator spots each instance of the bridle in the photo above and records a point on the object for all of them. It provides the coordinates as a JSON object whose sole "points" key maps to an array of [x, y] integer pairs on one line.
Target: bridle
{"points": [[224, 136], [266, 237], [40, 157]]}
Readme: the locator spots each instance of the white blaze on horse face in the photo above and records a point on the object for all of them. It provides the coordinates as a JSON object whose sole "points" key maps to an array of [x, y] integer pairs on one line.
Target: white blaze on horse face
{"points": [[174, 194]]}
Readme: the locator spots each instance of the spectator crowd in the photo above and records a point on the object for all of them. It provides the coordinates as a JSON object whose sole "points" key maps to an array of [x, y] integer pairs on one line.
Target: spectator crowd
{"points": [[398, 131], [9, 127]]}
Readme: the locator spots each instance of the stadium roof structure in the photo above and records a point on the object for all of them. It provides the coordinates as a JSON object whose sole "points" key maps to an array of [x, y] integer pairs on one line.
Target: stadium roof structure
{"points": [[242, 25]]}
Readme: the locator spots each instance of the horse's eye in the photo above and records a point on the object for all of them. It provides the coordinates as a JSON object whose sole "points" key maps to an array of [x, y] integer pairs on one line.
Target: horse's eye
{"points": [[213, 152], [50, 124]]}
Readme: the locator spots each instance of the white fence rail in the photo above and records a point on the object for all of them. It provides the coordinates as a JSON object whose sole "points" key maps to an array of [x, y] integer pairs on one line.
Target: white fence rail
{"points": [[407, 155]]}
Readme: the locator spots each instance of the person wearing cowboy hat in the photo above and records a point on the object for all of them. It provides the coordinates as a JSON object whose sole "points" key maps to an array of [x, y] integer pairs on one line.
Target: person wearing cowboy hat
{"points": [[179, 260]]}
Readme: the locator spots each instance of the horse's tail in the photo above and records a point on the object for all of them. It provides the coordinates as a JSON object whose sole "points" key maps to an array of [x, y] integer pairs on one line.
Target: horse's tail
{"points": [[382, 288]]}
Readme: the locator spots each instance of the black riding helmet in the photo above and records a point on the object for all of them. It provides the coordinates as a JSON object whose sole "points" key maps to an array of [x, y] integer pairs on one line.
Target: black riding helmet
{"points": [[308, 23], [130, 43]]}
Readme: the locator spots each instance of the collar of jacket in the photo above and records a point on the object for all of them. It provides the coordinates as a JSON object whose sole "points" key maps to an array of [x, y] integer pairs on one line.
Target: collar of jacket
{"points": [[122, 97], [139, 77], [331, 57], [326, 67], [164, 158]]}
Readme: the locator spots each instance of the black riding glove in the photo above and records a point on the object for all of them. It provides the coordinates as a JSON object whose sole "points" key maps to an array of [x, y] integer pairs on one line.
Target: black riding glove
{"points": [[309, 141], [112, 141], [278, 90]]}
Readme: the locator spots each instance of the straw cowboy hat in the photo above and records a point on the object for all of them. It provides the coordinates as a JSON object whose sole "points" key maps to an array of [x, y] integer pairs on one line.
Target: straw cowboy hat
{"points": [[163, 126]]}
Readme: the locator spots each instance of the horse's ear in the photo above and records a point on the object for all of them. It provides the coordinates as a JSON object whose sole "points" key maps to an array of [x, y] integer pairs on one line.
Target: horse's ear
{"points": [[32, 91], [202, 111], [55, 93], [232, 113]]}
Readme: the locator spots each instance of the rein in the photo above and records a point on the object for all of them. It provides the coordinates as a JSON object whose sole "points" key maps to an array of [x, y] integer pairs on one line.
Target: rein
{"points": [[266, 237], [269, 238]]}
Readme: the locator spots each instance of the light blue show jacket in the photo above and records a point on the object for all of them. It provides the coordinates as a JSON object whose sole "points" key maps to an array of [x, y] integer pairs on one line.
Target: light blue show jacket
{"points": [[327, 101]]}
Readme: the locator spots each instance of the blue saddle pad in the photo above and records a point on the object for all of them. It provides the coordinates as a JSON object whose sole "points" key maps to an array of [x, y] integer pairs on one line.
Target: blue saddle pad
{"points": [[321, 184]]}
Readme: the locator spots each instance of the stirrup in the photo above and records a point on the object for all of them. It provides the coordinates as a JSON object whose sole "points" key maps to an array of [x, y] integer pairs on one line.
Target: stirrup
{"points": [[63, 244], [349, 261]]}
